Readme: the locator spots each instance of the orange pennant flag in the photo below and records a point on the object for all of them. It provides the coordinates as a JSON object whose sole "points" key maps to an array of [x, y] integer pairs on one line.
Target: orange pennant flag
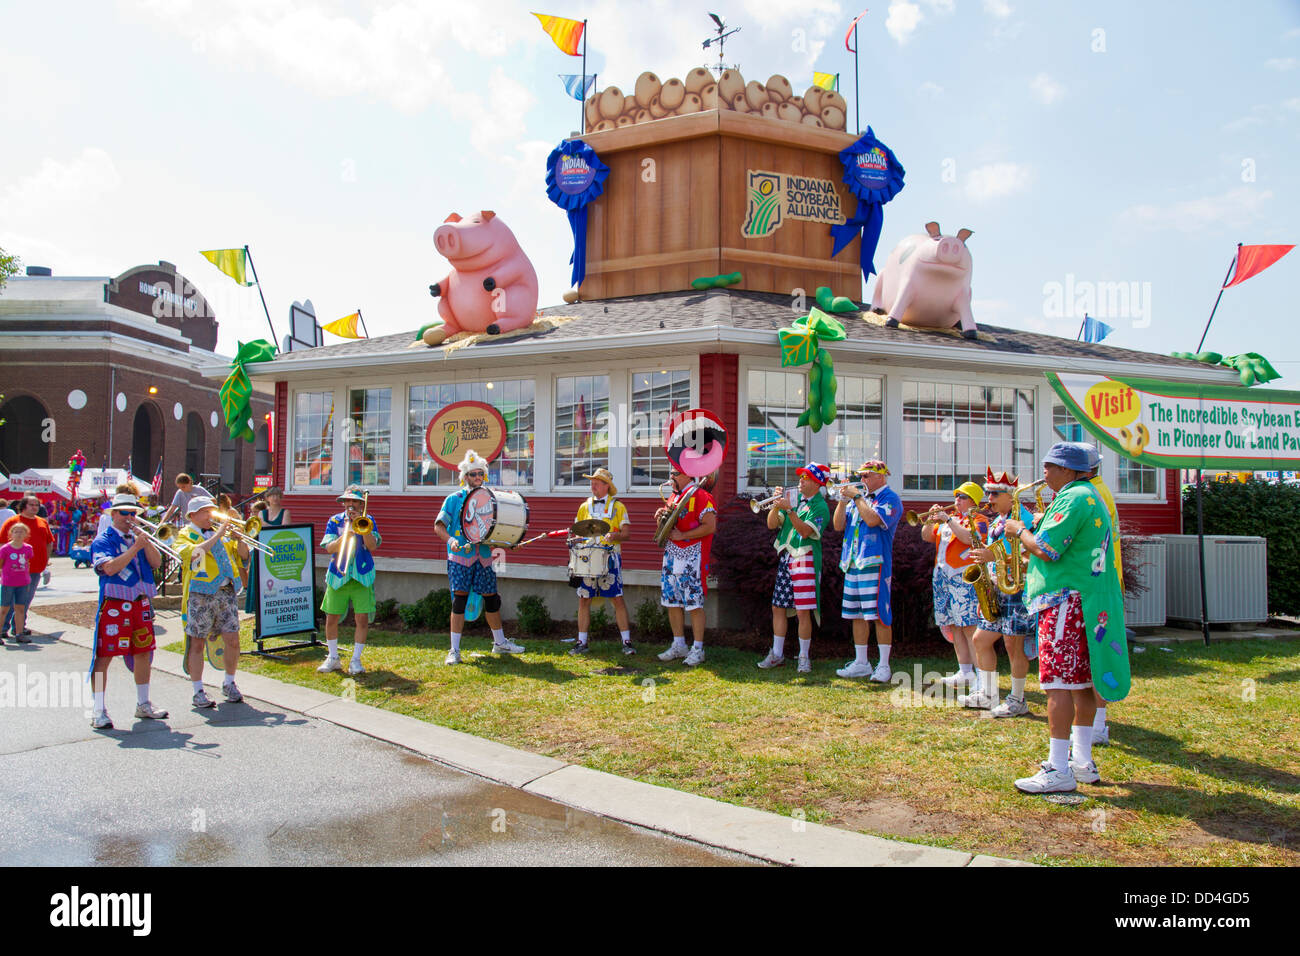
{"points": [[566, 33]]}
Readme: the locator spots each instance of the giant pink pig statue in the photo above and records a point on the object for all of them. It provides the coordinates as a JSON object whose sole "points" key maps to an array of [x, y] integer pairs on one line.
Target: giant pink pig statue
{"points": [[492, 287], [926, 282]]}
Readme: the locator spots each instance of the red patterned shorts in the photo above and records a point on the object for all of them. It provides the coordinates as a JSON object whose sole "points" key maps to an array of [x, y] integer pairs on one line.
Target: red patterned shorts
{"points": [[125, 627], [1062, 648]]}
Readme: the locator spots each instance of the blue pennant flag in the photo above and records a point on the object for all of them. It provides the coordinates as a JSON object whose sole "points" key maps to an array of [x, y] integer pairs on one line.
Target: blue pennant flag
{"points": [[577, 85], [1094, 331]]}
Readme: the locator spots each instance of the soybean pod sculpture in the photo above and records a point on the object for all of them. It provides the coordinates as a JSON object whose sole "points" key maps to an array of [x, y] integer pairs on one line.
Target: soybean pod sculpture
{"points": [[801, 344]]}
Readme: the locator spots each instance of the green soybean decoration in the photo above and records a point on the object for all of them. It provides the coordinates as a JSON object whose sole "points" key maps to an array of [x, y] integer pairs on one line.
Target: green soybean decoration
{"points": [[800, 344]]}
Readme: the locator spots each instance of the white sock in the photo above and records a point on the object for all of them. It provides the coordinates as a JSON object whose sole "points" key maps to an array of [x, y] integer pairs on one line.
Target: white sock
{"points": [[455, 641], [142, 693], [627, 636], [679, 642], [884, 652], [698, 645], [333, 648], [860, 653], [1018, 688], [1058, 753], [498, 636], [198, 686], [99, 702], [967, 669], [356, 652], [227, 680], [989, 683], [803, 646], [582, 637], [778, 645], [1099, 722], [1081, 737]]}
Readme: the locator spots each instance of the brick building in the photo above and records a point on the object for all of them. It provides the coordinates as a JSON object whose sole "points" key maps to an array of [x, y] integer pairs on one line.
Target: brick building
{"points": [[119, 367]]}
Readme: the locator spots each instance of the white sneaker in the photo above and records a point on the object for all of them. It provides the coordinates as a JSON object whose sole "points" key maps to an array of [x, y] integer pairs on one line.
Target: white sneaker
{"points": [[507, 647], [1011, 707], [696, 656], [355, 669], [1047, 780], [882, 674], [805, 664], [978, 700], [453, 657], [331, 664], [675, 653], [1085, 773], [958, 679], [1101, 736], [855, 669], [773, 659]]}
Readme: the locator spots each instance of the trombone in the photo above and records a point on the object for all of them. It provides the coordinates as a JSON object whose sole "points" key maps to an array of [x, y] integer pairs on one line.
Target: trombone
{"points": [[157, 535], [360, 525], [244, 531]]}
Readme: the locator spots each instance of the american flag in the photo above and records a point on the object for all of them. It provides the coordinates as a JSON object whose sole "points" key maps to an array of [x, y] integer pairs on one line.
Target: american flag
{"points": [[157, 480]]}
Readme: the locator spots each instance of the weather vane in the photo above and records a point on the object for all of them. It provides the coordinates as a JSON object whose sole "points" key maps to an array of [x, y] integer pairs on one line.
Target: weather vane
{"points": [[721, 38]]}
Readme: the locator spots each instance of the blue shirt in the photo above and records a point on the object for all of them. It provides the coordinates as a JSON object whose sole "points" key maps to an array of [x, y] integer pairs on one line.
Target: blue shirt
{"points": [[865, 545], [450, 518], [134, 580], [361, 564]]}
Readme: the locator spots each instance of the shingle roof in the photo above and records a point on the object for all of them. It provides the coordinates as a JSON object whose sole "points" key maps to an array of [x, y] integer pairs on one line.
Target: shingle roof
{"points": [[743, 310]]}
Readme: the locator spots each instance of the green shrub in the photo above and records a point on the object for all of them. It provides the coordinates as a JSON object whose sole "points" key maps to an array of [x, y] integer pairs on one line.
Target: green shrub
{"points": [[412, 615], [651, 620], [532, 615], [431, 612], [1263, 510], [386, 609]]}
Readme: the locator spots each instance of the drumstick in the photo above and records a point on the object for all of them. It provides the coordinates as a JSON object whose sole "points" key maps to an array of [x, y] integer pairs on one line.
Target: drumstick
{"points": [[546, 534]]}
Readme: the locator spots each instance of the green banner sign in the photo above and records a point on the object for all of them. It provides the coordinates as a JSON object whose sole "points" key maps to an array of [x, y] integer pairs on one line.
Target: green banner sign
{"points": [[1180, 425], [286, 582]]}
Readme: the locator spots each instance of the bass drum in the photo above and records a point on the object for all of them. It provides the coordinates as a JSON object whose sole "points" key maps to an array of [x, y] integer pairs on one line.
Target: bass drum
{"points": [[494, 516]]}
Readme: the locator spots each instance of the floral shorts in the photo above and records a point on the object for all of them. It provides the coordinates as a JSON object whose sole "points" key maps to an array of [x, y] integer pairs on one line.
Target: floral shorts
{"points": [[208, 614], [1063, 662], [682, 578], [955, 603]]}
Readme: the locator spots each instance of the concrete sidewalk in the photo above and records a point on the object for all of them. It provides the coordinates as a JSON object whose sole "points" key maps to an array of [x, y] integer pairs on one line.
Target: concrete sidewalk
{"points": [[753, 833]]}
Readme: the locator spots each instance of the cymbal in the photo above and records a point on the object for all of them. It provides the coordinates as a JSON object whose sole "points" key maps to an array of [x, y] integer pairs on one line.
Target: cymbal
{"points": [[589, 527]]}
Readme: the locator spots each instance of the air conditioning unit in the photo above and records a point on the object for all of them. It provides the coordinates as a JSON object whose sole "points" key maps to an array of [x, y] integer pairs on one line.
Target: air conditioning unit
{"points": [[1236, 578], [1148, 608]]}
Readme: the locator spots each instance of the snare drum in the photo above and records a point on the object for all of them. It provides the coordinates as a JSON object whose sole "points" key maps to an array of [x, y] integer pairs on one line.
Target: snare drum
{"points": [[494, 516], [589, 561]]}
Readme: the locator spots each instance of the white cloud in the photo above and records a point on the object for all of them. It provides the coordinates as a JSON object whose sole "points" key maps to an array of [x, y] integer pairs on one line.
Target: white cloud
{"points": [[80, 181], [1235, 209], [996, 180], [903, 20], [1282, 63], [930, 88], [1045, 89], [1292, 104], [997, 8]]}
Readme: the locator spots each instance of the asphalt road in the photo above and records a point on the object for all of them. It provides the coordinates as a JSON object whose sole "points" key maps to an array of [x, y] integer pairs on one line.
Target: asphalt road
{"points": [[254, 784]]}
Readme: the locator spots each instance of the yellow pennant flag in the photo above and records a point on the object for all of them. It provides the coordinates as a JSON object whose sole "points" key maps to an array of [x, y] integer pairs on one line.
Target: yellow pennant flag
{"points": [[233, 262], [827, 81], [346, 327], [565, 32]]}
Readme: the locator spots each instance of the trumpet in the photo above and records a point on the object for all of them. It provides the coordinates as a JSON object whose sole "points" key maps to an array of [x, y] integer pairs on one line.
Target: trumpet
{"points": [[244, 531], [758, 507], [933, 515], [833, 492]]}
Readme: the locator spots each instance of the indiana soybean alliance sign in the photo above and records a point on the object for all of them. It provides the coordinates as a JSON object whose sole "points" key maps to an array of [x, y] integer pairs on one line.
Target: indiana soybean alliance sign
{"points": [[1176, 425], [776, 197]]}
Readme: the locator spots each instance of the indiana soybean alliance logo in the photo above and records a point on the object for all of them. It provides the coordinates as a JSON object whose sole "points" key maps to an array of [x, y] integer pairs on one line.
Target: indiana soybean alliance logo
{"points": [[776, 197]]}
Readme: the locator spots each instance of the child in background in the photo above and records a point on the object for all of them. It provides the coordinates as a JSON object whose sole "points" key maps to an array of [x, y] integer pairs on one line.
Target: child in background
{"points": [[15, 575]]}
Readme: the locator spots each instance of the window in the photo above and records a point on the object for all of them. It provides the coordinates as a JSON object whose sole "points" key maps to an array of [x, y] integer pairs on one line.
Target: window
{"points": [[313, 439], [655, 397], [581, 427], [857, 434], [775, 444], [953, 432], [513, 399], [262, 451], [369, 447]]}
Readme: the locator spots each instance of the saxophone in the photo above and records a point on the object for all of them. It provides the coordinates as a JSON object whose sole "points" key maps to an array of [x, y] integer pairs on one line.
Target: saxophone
{"points": [[1008, 564], [977, 576]]}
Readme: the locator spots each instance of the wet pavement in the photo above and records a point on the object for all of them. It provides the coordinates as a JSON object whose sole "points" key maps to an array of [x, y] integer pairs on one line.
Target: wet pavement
{"points": [[255, 784]]}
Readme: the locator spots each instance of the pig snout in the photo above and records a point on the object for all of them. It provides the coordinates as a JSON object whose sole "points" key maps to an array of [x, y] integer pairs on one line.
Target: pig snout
{"points": [[950, 250], [446, 239]]}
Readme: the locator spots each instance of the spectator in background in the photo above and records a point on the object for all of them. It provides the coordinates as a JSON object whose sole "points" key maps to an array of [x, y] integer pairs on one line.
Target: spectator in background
{"points": [[5, 511], [176, 511], [42, 543]]}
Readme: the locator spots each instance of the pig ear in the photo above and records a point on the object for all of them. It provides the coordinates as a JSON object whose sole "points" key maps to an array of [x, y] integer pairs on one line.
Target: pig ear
{"points": [[487, 214], [933, 229], [454, 217], [963, 234]]}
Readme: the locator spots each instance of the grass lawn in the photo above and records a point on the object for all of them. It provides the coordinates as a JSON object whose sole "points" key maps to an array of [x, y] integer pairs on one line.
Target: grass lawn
{"points": [[1198, 772]]}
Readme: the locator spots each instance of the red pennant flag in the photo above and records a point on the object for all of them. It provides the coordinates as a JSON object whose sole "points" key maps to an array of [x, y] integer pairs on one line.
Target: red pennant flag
{"points": [[1252, 260], [849, 32]]}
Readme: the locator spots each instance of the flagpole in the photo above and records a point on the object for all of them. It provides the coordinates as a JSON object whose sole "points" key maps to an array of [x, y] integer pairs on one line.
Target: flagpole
{"points": [[363, 323], [1082, 326], [582, 100], [857, 88], [249, 256], [1216, 302]]}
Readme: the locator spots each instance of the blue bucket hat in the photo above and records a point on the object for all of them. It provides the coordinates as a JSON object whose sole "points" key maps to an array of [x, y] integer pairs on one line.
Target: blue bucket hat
{"points": [[1069, 454]]}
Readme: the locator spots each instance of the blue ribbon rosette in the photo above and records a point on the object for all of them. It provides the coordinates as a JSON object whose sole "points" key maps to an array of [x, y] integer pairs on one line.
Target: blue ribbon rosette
{"points": [[574, 177], [874, 175]]}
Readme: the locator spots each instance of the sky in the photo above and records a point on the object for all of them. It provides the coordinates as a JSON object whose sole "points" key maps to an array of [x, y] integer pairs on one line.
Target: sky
{"points": [[1084, 143]]}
